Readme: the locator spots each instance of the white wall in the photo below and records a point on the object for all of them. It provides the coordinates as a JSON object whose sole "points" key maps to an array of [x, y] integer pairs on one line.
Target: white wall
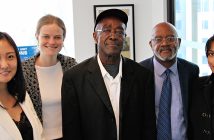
{"points": [[147, 14]]}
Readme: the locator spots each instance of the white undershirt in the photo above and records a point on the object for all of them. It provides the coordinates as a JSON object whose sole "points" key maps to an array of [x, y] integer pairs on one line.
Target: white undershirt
{"points": [[50, 81], [113, 88]]}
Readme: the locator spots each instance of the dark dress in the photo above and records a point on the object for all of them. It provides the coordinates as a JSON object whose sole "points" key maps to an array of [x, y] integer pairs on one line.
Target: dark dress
{"points": [[25, 127], [201, 121]]}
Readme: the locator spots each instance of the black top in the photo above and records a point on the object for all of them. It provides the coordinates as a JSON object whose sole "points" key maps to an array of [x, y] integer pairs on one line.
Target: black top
{"points": [[211, 81], [25, 127]]}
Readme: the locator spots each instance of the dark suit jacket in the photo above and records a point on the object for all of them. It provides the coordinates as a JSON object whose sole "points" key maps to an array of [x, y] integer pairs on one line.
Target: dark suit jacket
{"points": [[200, 109], [87, 112], [187, 73]]}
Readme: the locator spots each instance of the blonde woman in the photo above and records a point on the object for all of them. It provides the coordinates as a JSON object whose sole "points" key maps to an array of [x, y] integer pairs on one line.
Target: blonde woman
{"points": [[43, 74]]}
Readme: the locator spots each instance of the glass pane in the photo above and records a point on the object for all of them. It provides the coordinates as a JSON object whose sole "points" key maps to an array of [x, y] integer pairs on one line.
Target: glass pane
{"points": [[195, 24], [19, 19]]}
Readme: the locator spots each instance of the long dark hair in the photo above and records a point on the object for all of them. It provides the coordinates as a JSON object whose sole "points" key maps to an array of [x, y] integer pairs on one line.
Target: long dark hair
{"points": [[15, 86]]}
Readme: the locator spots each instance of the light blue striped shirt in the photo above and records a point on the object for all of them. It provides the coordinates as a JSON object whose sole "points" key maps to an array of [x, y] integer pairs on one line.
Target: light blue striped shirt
{"points": [[177, 115]]}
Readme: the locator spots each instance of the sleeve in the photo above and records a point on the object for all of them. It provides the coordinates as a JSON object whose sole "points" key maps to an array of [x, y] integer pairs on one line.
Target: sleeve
{"points": [[149, 130], [71, 125]]}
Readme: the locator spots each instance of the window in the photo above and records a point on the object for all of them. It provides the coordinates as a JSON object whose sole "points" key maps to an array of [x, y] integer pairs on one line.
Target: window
{"points": [[195, 24], [19, 19], [204, 60], [205, 5], [179, 24], [204, 40], [178, 6], [205, 24]]}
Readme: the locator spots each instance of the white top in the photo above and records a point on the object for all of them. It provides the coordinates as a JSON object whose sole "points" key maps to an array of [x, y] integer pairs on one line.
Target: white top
{"points": [[9, 130], [113, 88], [50, 81]]}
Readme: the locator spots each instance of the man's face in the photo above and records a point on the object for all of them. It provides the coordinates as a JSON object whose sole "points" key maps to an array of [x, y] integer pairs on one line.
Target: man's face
{"points": [[164, 42], [110, 37]]}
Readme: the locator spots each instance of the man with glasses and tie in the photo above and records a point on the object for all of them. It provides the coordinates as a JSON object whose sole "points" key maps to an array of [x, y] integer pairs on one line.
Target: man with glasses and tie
{"points": [[173, 78], [108, 96]]}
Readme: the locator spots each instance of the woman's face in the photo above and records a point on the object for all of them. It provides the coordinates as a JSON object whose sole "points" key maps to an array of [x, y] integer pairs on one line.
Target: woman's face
{"points": [[211, 57], [50, 39], [8, 61]]}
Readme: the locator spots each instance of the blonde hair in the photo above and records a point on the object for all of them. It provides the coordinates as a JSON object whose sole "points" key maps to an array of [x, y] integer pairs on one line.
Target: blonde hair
{"points": [[50, 19]]}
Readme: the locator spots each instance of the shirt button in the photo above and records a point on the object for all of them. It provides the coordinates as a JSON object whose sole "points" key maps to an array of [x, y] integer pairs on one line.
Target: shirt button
{"points": [[207, 132], [205, 115]]}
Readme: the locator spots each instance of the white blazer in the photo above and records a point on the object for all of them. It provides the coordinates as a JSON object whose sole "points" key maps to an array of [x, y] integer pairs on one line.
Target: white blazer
{"points": [[9, 130]]}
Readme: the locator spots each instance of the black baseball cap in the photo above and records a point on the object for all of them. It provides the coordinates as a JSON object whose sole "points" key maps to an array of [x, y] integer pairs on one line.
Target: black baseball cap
{"points": [[116, 13]]}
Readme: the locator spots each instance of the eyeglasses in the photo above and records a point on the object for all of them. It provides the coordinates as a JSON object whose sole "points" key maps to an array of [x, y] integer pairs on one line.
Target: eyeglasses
{"points": [[169, 39], [108, 32]]}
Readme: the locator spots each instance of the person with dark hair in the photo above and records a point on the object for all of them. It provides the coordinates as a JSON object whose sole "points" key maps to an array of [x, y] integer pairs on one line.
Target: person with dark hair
{"points": [[108, 96], [43, 74], [18, 119], [171, 105], [202, 101]]}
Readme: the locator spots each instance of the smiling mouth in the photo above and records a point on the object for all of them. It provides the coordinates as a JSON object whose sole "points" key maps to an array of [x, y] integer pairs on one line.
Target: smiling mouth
{"points": [[111, 44], [166, 50], [51, 47], [4, 73]]}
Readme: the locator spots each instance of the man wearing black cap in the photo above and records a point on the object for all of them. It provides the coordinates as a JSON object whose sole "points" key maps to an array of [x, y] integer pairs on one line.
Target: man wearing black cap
{"points": [[108, 97]]}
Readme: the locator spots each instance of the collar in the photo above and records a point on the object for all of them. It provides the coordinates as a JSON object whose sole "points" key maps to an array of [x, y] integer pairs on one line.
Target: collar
{"points": [[103, 70], [160, 69], [211, 78]]}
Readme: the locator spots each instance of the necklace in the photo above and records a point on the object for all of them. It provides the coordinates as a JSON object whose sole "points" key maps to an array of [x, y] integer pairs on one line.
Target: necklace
{"points": [[1, 105]]}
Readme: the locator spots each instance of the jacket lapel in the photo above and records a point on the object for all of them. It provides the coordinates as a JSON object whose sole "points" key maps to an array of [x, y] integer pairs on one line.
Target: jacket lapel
{"points": [[206, 92], [183, 78], [29, 111], [126, 81], [150, 65], [7, 123], [96, 80]]}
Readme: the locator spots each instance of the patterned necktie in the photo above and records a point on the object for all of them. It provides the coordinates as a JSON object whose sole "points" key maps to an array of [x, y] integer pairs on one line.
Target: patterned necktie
{"points": [[164, 116]]}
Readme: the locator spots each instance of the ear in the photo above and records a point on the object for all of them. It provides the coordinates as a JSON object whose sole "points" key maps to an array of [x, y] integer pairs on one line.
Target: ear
{"points": [[150, 43], [95, 37], [179, 42], [37, 36]]}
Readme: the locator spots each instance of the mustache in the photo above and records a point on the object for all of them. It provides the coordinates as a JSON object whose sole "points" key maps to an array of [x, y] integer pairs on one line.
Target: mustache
{"points": [[166, 48], [112, 43]]}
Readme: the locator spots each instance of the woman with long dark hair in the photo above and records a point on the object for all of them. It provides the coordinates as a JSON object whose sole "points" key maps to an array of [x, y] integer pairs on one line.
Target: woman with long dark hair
{"points": [[202, 101], [18, 119]]}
